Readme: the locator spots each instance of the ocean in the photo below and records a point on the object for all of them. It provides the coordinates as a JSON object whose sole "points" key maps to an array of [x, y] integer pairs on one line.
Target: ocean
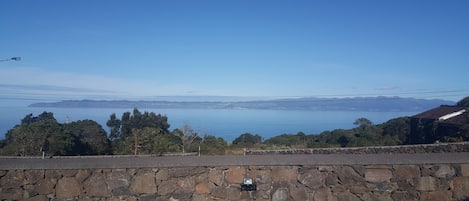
{"points": [[225, 123]]}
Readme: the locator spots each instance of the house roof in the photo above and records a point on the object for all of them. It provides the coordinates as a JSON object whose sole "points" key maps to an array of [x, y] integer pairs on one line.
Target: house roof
{"points": [[442, 113]]}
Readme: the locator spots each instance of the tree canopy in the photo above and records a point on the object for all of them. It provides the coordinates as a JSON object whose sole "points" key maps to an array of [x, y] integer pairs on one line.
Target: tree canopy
{"points": [[43, 133], [247, 140], [140, 133], [463, 102]]}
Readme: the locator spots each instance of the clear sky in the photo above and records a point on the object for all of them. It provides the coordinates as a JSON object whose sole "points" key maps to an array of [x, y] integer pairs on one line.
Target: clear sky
{"points": [[110, 49]]}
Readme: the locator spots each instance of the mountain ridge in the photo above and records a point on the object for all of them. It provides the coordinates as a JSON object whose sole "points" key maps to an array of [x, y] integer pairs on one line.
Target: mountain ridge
{"points": [[379, 103]]}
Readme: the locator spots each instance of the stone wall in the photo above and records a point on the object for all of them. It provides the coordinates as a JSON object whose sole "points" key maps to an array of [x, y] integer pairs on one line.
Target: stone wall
{"points": [[318, 183], [401, 149]]}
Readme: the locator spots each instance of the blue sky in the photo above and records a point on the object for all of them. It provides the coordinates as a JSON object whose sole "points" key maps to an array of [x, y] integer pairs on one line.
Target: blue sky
{"points": [[141, 49]]}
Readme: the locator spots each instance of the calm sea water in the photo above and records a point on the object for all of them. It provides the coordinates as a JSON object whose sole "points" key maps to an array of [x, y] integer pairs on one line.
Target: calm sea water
{"points": [[227, 124]]}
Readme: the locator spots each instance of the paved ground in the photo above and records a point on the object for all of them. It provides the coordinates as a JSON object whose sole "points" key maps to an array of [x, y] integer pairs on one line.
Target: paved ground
{"points": [[250, 160]]}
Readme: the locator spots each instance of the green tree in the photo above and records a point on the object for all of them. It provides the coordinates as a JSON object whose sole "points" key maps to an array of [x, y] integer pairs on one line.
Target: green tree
{"points": [[114, 125], [247, 140], [399, 127], [142, 140], [28, 138], [187, 136], [363, 122], [463, 102], [136, 132], [212, 145], [288, 140], [366, 134], [89, 138]]}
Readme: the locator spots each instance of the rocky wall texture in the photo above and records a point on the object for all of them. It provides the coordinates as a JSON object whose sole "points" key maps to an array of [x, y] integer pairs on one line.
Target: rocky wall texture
{"points": [[318, 183], [401, 149]]}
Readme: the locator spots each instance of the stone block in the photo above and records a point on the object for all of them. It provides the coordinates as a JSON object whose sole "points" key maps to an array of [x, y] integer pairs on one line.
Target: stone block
{"points": [[407, 171], [235, 175], [167, 187], [56, 174], [186, 183], [117, 179], [13, 179], [200, 197], [405, 195], [281, 194], [162, 175], [347, 196], [406, 184], [45, 186], [384, 187], [226, 193], [179, 172], [151, 197], [323, 194], [37, 198], [427, 170], [198, 170], [82, 175], [348, 176], [261, 176], [378, 196], [181, 195], [68, 173], [144, 183], [11, 194], [298, 193], [215, 176], [33, 176], [67, 187], [331, 179], [219, 194], [312, 178], [464, 170], [445, 171], [461, 188], [131, 171], [358, 189], [122, 198], [121, 191], [436, 196], [28, 191], [327, 168], [427, 183], [202, 188], [232, 193], [284, 174], [95, 186], [378, 175]]}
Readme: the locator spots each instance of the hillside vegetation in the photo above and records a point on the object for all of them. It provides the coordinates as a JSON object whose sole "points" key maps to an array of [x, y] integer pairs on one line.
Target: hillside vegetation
{"points": [[138, 133]]}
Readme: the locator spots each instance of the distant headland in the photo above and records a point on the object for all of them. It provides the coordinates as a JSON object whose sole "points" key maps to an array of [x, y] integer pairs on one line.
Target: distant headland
{"points": [[320, 104]]}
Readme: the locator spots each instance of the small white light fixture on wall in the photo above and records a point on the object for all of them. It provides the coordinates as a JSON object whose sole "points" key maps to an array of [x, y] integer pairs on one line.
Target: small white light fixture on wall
{"points": [[248, 185]]}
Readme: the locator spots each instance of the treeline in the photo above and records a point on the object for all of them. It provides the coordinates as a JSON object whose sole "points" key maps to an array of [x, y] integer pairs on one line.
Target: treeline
{"points": [[396, 131], [134, 133], [139, 133]]}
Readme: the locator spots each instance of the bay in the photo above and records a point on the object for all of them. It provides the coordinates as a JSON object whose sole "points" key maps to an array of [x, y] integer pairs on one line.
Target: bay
{"points": [[225, 123]]}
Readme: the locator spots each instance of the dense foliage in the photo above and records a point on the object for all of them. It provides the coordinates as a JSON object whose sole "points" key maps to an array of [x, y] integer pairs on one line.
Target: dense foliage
{"points": [[148, 133], [141, 133], [247, 140], [43, 133], [464, 102]]}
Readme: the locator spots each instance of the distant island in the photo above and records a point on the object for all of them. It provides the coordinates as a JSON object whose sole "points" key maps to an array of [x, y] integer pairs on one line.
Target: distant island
{"points": [[311, 104]]}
